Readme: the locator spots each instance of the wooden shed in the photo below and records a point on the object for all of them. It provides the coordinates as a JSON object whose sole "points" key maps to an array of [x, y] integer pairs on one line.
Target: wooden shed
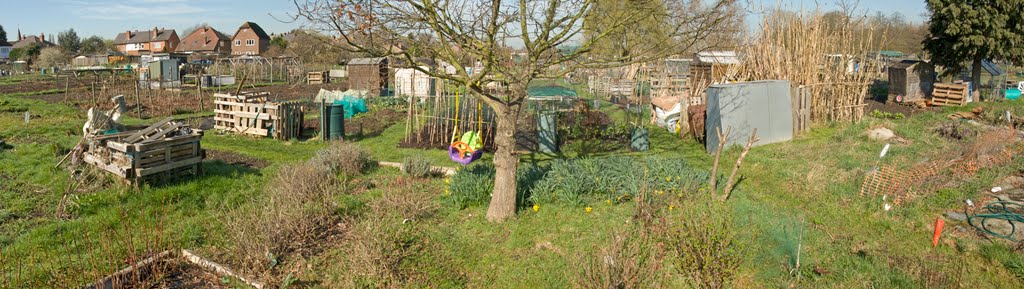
{"points": [[370, 74], [711, 67], [911, 80]]}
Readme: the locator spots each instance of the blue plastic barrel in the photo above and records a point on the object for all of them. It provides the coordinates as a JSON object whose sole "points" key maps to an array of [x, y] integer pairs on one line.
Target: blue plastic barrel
{"points": [[1012, 94]]}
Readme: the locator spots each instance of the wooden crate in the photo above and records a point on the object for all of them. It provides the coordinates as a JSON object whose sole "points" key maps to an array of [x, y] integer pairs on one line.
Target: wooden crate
{"points": [[153, 160], [316, 77], [252, 113], [945, 94]]}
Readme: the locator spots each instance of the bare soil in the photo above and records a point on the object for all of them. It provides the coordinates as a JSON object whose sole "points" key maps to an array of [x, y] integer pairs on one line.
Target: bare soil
{"points": [[232, 158], [906, 110]]}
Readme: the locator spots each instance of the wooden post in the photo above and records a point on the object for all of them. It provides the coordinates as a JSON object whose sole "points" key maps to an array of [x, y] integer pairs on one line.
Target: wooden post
{"points": [[718, 155], [732, 177], [138, 103]]}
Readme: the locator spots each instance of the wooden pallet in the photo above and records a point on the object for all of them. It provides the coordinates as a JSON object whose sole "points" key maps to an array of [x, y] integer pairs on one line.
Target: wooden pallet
{"points": [[316, 77], [154, 160], [945, 94], [252, 113]]}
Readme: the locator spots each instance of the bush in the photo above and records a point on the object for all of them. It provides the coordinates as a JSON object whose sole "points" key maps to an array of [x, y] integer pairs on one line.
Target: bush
{"points": [[298, 208], [343, 157], [616, 178], [417, 166], [629, 261], [703, 245], [472, 185]]}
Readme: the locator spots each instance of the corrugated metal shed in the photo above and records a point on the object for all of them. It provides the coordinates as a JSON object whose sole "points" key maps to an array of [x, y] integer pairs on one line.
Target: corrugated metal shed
{"points": [[764, 105], [718, 57]]}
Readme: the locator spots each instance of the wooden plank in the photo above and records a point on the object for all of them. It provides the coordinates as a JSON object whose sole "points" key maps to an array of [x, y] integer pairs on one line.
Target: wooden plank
{"points": [[138, 135], [141, 172], [110, 167], [168, 142]]}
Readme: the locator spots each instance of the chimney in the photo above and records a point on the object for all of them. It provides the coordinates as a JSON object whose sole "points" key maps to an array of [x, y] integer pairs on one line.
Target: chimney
{"points": [[42, 38], [154, 32], [127, 35]]}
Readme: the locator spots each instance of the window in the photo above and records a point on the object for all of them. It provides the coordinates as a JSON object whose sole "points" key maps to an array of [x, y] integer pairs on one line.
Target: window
{"points": [[250, 42], [238, 43]]}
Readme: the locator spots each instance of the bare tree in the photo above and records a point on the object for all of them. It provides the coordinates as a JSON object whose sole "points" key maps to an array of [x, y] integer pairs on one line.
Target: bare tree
{"points": [[497, 47]]}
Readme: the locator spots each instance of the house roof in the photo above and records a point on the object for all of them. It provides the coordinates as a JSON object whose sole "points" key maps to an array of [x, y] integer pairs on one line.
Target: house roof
{"points": [[718, 57], [255, 28], [32, 39], [3, 42], [202, 39], [143, 36], [366, 61]]}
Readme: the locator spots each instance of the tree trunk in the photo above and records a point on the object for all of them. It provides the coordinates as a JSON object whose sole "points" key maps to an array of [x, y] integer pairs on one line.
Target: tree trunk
{"points": [[506, 162], [976, 78]]}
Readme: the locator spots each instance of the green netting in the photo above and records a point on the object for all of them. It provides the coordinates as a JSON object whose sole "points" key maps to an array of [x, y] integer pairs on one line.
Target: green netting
{"points": [[353, 105], [550, 91]]}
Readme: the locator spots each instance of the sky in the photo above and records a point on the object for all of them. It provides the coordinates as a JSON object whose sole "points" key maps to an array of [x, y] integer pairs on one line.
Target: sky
{"points": [[106, 18]]}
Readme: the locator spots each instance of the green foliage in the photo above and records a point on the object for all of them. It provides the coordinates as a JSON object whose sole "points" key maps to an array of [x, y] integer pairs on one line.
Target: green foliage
{"points": [[386, 102], [968, 31], [617, 30], [888, 115], [416, 166], [1001, 254], [472, 185], [618, 178], [3, 34], [69, 41], [25, 53], [704, 246], [279, 42], [52, 56], [93, 44]]}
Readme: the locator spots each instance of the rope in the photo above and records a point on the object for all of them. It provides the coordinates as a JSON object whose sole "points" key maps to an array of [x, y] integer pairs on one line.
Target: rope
{"points": [[455, 128], [998, 211]]}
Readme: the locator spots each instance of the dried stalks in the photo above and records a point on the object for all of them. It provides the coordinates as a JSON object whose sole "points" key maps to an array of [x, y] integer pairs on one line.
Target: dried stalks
{"points": [[807, 49], [629, 261]]}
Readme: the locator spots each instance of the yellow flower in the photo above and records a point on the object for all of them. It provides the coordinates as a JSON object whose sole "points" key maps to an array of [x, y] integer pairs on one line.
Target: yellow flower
{"points": [[446, 192], [661, 192], [677, 177], [670, 207], [536, 208], [589, 209], [456, 169], [668, 179], [680, 195], [609, 201], [447, 181]]}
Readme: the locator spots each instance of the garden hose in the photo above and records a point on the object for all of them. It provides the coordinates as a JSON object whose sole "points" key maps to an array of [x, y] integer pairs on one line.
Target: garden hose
{"points": [[999, 211]]}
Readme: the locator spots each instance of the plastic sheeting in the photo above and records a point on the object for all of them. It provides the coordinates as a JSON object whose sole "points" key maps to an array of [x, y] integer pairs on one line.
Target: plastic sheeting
{"points": [[354, 101]]}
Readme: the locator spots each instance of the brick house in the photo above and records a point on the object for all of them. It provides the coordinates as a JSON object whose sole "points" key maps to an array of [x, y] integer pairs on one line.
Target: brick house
{"points": [[250, 39], [25, 41], [141, 42], [205, 40]]}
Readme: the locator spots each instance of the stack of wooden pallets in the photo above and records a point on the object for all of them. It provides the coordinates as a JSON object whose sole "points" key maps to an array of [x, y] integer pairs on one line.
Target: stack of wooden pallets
{"points": [[252, 113], [166, 151], [946, 94], [316, 77]]}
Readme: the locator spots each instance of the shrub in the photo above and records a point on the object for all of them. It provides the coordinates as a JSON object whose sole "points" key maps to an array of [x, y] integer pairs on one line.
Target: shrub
{"points": [[616, 178], [629, 261], [298, 208], [343, 157], [703, 245], [417, 166]]}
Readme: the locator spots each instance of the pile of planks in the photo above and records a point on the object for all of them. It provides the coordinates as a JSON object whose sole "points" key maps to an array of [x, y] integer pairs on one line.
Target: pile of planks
{"points": [[945, 94], [317, 77], [166, 151], [253, 113]]}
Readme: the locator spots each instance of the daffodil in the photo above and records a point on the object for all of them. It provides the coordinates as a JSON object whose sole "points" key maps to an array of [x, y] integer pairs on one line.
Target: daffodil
{"points": [[670, 207], [661, 192], [668, 179], [536, 208], [589, 209], [447, 181], [609, 201]]}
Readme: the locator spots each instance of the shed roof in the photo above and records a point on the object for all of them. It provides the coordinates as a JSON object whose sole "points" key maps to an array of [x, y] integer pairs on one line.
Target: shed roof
{"points": [[366, 61], [991, 68], [718, 57]]}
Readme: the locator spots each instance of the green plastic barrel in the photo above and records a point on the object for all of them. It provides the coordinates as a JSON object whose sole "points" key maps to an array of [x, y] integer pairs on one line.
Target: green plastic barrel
{"points": [[336, 122], [547, 137]]}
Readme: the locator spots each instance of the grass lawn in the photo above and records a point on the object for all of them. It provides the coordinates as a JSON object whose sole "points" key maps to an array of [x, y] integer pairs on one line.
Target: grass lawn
{"points": [[809, 185]]}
